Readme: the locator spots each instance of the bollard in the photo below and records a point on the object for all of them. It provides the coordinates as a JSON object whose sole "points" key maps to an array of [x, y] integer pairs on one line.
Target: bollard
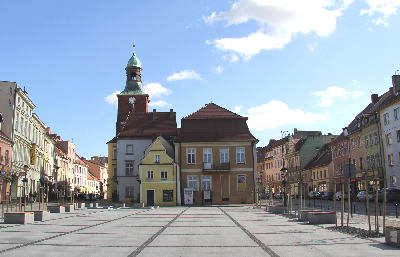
{"points": [[380, 213], [328, 206], [321, 205], [344, 207], [366, 209], [396, 212], [354, 207]]}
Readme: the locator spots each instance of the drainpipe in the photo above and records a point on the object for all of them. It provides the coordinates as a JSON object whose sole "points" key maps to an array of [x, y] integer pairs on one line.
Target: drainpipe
{"points": [[180, 170]]}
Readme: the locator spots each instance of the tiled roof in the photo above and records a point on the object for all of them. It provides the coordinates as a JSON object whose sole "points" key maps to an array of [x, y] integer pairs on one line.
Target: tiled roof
{"points": [[322, 158], [4, 136], [299, 144], [114, 140], [213, 123], [213, 111], [91, 176], [142, 124]]}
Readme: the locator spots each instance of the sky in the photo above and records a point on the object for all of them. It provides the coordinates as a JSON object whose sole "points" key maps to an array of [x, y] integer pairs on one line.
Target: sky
{"points": [[284, 64]]}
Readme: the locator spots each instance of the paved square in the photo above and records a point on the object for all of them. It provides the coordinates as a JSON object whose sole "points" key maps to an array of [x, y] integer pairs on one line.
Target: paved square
{"points": [[180, 231]]}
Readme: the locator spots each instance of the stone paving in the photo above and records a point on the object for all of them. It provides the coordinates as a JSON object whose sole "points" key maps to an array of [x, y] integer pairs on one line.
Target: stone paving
{"points": [[181, 231]]}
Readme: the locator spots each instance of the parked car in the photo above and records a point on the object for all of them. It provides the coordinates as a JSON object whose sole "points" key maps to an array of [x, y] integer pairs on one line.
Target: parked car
{"points": [[362, 196], [81, 196], [314, 195], [339, 196], [327, 195], [392, 195], [90, 195], [278, 195]]}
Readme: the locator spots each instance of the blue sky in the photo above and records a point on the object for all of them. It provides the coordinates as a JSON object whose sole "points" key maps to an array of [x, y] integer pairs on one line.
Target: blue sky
{"points": [[310, 65]]}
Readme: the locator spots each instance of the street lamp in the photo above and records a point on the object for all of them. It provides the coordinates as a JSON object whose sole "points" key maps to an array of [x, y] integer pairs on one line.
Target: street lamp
{"points": [[25, 180]]}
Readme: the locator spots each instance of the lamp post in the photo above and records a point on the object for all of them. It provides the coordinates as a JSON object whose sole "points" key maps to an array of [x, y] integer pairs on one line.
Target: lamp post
{"points": [[259, 186], [25, 180]]}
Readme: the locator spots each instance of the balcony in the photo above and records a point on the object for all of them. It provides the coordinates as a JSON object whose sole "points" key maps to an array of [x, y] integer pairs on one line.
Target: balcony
{"points": [[216, 166]]}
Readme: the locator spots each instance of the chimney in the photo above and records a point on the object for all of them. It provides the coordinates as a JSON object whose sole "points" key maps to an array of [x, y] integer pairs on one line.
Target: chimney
{"points": [[396, 83], [171, 113], [154, 114], [48, 130], [374, 98]]}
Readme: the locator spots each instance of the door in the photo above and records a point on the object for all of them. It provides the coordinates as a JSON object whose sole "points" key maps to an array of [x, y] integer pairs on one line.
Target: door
{"points": [[150, 197]]}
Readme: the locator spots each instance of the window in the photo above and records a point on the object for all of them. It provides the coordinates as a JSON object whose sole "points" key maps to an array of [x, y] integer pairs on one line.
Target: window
{"points": [[157, 158], [224, 155], [6, 155], [129, 191], [191, 156], [129, 149], [192, 182], [207, 153], [373, 161], [129, 169], [114, 171], [241, 183], [150, 174], [398, 135], [359, 141], [114, 153], [324, 173], [206, 183], [376, 138], [366, 141], [346, 149], [352, 143], [239, 155], [361, 163], [390, 159], [393, 181], [320, 174], [397, 113], [168, 195], [389, 139], [164, 175], [368, 163], [386, 118], [378, 160]]}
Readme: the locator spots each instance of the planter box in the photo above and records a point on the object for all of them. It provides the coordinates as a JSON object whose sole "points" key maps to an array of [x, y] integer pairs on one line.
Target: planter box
{"points": [[56, 209], [276, 209], [392, 236], [69, 208], [119, 205], [303, 215], [81, 205], [138, 205], [321, 218], [93, 205], [41, 215], [18, 217]]}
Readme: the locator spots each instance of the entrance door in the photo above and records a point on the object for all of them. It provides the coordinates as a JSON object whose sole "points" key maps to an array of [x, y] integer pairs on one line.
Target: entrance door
{"points": [[150, 197]]}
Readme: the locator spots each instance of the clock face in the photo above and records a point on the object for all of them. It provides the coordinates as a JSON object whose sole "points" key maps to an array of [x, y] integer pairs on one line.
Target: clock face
{"points": [[132, 100]]}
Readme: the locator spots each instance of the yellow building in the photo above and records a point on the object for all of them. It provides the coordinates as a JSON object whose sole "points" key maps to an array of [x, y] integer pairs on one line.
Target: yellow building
{"points": [[159, 175], [112, 195]]}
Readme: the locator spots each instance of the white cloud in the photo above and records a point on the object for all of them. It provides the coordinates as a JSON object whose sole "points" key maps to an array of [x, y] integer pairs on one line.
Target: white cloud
{"points": [[237, 109], [385, 7], [186, 74], [156, 90], [278, 21], [340, 112], [311, 47], [327, 97], [217, 69], [277, 113], [112, 98], [159, 103]]}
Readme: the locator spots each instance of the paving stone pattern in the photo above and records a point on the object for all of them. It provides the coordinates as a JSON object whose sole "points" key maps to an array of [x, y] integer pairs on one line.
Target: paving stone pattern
{"points": [[181, 231]]}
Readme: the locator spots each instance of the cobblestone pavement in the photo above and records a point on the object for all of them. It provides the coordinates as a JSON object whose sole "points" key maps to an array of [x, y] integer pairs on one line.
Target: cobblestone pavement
{"points": [[181, 231]]}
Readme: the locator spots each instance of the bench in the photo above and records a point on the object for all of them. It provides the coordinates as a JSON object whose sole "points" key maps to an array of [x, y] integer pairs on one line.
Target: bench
{"points": [[322, 217], [41, 215], [392, 235], [56, 209], [18, 217], [276, 209], [303, 215]]}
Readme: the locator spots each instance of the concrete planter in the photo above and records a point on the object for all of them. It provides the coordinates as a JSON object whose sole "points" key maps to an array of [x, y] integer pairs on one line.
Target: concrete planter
{"points": [[276, 209], [303, 215], [119, 205], [321, 218], [392, 235], [18, 217], [81, 205], [138, 205], [56, 209], [69, 208], [41, 215]]}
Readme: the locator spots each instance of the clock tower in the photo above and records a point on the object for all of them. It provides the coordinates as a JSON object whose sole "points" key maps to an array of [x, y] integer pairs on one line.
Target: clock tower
{"points": [[132, 99]]}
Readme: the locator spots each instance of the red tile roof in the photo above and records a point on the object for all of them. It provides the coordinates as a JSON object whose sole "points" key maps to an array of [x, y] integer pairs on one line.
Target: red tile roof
{"points": [[322, 158], [142, 124], [213, 123]]}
